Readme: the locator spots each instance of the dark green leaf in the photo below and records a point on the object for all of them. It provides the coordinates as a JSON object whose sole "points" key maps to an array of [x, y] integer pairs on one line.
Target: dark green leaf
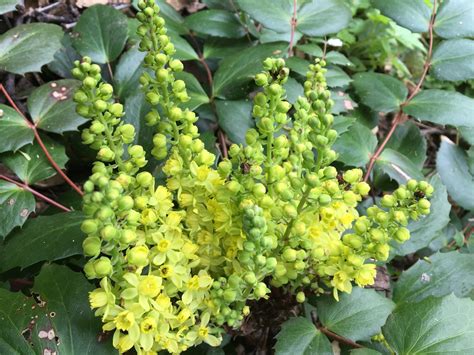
{"points": [[9, 5], [268, 36], [293, 90], [343, 123], [408, 140], [238, 70], [64, 58], [101, 33], [342, 102], [453, 60], [323, 17], [30, 164], [45, 238], [274, 15], [398, 166], [379, 91], [298, 336], [311, 49], [16, 204], [445, 273], [454, 19], [468, 134], [26, 48], [432, 326], [442, 107], [136, 107], [51, 106], [338, 58], [14, 130], [427, 228], [412, 14], [174, 21], [184, 51], [219, 23], [195, 91], [222, 48], [219, 4], [235, 118], [356, 146], [357, 316], [336, 77], [453, 167], [298, 65], [127, 73], [365, 351]]}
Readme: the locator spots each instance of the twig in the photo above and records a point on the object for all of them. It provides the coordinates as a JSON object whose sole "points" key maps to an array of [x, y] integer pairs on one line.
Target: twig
{"points": [[40, 142], [339, 338], [222, 143], [293, 22], [36, 193], [111, 73]]}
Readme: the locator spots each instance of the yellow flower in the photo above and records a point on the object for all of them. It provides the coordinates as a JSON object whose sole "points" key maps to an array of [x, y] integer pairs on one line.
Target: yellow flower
{"points": [[149, 286], [148, 325], [342, 282], [124, 344], [365, 275], [124, 320], [98, 298]]}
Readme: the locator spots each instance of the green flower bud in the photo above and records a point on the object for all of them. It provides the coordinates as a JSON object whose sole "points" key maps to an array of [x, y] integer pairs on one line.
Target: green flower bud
{"points": [[300, 297], [89, 226], [424, 204], [176, 65], [260, 290], [261, 79], [412, 185], [103, 267], [91, 246], [229, 295], [116, 109], [352, 176], [402, 235], [388, 201], [108, 233], [362, 188], [89, 82], [289, 255], [144, 179], [330, 172], [138, 256], [105, 154]]}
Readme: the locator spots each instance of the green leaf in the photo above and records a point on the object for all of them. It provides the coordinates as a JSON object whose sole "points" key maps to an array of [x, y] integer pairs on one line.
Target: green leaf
{"points": [[453, 167], [184, 51], [64, 58], [9, 5], [298, 65], [432, 326], [195, 91], [298, 336], [427, 228], [408, 140], [26, 48], [219, 23], [269, 36], [221, 48], [442, 107], [445, 273], [453, 60], [63, 312], [236, 71], [356, 146], [357, 316], [16, 204], [323, 17], [365, 351], [235, 118], [398, 166], [293, 90], [101, 33], [14, 130], [454, 19], [342, 102], [272, 14], [127, 73], [45, 238], [174, 21], [412, 14], [380, 92], [52, 109], [30, 164], [311, 49], [343, 123], [336, 77], [338, 58]]}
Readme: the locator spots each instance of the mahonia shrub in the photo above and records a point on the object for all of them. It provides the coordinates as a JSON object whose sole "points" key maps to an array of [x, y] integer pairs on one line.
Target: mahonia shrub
{"points": [[179, 262]]}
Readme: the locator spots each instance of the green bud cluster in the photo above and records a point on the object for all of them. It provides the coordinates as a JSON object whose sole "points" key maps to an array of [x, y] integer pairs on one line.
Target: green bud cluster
{"points": [[179, 262]]}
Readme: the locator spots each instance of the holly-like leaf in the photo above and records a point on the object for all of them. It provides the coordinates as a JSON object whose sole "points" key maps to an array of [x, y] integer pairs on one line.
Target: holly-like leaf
{"points": [[235, 118], [453, 167], [26, 48], [442, 107], [16, 204], [338, 58], [30, 164], [60, 323], [293, 90], [356, 146], [218, 23], [445, 273], [274, 15], [323, 17], [408, 140], [336, 77], [9, 5], [52, 109], [101, 33], [380, 92], [411, 14], [432, 326], [195, 91], [64, 58], [356, 316], [398, 166], [222, 48], [184, 51], [127, 72], [454, 19], [452, 60], [14, 130], [298, 336]]}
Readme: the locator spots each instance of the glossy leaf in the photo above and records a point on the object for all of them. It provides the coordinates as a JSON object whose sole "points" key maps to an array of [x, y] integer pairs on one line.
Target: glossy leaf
{"points": [[9, 5], [274, 15], [452, 165], [293, 90], [323, 17], [184, 51], [14, 130], [195, 91], [101, 33], [443, 274], [16, 204], [432, 326], [298, 336], [26, 48], [408, 140], [218, 23], [454, 19], [136, 107], [51, 106], [336, 77], [380, 92], [357, 316], [412, 14], [235, 118], [64, 58], [356, 146], [453, 60], [127, 73], [442, 107], [222, 48], [398, 166]]}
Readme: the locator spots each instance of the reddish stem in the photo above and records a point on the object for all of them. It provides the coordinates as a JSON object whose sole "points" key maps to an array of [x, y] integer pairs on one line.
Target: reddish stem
{"points": [[222, 142], [40, 142], [293, 22], [339, 338], [36, 193]]}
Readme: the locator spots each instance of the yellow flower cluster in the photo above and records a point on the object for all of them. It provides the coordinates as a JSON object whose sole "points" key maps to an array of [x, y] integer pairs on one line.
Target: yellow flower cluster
{"points": [[177, 262]]}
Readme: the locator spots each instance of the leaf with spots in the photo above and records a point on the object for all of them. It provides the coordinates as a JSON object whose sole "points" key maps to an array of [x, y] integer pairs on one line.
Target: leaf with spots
{"points": [[30, 164], [52, 109], [14, 130], [16, 204]]}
